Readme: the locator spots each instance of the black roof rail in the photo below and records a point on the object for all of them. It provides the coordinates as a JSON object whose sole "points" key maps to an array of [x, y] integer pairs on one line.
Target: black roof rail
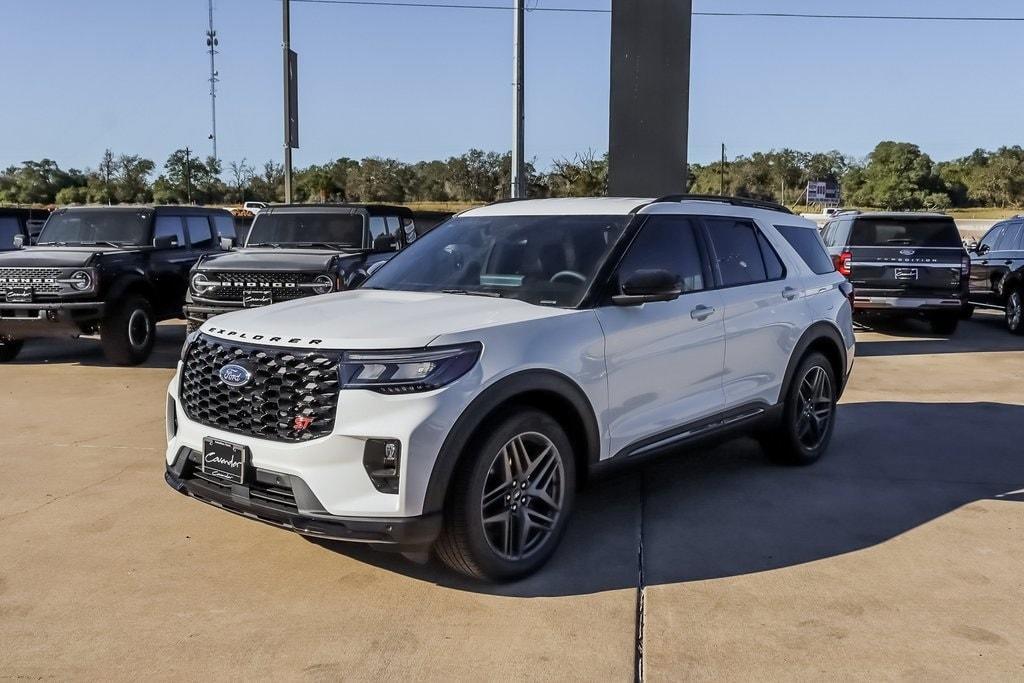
{"points": [[734, 201]]}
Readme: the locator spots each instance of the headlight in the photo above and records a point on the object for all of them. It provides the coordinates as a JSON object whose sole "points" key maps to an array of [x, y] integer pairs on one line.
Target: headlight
{"points": [[405, 372], [81, 280], [188, 342], [201, 284], [323, 284]]}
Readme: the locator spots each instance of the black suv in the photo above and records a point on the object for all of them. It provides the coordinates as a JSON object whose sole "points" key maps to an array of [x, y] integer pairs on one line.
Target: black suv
{"points": [[997, 272], [293, 251], [902, 264], [111, 270], [18, 226]]}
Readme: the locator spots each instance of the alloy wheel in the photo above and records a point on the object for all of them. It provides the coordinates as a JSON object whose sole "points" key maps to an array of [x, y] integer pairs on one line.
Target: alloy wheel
{"points": [[523, 496], [1014, 310], [814, 408]]}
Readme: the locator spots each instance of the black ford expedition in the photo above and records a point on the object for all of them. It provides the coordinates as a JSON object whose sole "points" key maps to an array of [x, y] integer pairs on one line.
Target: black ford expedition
{"points": [[293, 251], [997, 272], [115, 271], [902, 264]]}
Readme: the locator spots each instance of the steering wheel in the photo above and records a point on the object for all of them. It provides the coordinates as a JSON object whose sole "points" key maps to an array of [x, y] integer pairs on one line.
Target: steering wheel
{"points": [[569, 274]]}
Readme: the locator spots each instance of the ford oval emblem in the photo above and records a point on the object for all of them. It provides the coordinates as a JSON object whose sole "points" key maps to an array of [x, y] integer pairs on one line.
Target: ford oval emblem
{"points": [[907, 252], [234, 375]]}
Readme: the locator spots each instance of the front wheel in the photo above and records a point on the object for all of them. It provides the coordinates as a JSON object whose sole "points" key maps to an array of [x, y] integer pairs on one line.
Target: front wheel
{"points": [[128, 332], [510, 500], [1015, 311], [9, 349], [808, 417]]}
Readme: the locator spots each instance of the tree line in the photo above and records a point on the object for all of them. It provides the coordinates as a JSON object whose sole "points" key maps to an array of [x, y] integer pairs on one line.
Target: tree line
{"points": [[895, 176]]}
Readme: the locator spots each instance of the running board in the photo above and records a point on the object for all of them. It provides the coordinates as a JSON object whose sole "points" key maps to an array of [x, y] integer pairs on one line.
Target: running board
{"points": [[695, 432]]}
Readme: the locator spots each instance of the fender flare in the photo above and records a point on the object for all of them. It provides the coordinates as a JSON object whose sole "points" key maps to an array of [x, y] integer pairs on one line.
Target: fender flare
{"points": [[502, 394], [819, 332]]}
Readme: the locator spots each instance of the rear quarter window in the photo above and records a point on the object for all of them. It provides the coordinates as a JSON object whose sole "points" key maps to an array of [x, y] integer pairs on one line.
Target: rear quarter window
{"points": [[808, 245]]}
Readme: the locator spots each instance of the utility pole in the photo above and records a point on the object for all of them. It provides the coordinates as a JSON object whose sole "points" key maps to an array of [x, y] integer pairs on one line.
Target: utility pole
{"points": [[188, 174], [290, 98], [212, 42], [518, 103], [722, 192]]}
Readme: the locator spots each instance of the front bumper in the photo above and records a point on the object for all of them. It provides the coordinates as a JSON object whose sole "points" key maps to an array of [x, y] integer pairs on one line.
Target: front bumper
{"points": [[48, 319], [285, 501], [901, 303]]}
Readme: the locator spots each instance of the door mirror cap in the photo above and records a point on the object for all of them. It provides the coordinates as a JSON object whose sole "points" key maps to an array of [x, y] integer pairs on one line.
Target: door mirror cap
{"points": [[165, 242], [227, 243], [649, 286], [982, 249], [19, 241]]}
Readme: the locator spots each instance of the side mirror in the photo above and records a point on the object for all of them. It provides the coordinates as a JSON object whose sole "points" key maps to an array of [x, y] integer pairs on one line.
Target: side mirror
{"points": [[982, 249], [165, 242], [19, 241], [649, 286], [227, 243]]}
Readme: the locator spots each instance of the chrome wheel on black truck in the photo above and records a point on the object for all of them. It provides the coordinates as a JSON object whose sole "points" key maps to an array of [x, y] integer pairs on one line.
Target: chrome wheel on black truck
{"points": [[1015, 311], [511, 499]]}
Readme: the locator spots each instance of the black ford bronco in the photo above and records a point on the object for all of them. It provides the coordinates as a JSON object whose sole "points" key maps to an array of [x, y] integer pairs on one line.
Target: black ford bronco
{"points": [[115, 271], [293, 251]]}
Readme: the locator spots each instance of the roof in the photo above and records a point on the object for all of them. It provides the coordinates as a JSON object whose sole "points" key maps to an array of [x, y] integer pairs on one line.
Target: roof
{"points": [[373, 209], [893, 214], [590, 206], [159, 208]]}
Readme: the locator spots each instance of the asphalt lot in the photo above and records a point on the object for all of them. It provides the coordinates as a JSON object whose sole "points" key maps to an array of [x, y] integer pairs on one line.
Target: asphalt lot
{"points": [[897, 556]]}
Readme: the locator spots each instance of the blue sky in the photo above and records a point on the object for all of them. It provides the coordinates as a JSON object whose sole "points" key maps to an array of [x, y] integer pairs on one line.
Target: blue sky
{"points": [[414, 84]]}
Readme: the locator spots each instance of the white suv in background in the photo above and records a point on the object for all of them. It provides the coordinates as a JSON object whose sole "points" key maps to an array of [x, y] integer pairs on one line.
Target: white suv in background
{"points": [[461, 395]]}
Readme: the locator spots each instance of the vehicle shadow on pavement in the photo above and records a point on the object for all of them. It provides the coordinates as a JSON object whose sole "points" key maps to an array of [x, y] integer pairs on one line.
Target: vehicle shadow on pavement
{"points": [[985, 333], [88, 352], [727, 510]]}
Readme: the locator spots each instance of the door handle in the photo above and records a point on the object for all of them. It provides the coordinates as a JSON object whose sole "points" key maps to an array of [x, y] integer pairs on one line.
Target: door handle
{"points": [[1008, 262], [985, 262], [702, 312], [789, 293]]}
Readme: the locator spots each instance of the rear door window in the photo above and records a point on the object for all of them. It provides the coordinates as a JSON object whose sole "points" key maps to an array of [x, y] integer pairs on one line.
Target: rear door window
{"points": [[808, 245], [737, 251], [170, 226], [1010, 239], [199, 232], [905, 232]]}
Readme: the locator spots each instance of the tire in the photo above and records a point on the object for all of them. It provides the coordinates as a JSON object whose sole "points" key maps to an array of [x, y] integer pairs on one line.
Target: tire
{"points": [[1015, 311], [944, 323], [9, 349], [128, 332], [802, 437], [522, 440]]}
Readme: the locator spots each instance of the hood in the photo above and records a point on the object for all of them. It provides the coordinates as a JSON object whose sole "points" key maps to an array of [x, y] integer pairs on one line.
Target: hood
{"points": [[276, 260], [372, 319], [53, 257]]}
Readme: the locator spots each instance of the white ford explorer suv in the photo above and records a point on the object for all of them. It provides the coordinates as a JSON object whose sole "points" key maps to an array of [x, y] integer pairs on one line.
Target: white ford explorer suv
{"points": [[458, 399]]}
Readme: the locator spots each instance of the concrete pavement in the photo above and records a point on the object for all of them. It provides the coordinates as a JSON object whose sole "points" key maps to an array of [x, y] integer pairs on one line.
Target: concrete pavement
{"points": [[893, 557]]}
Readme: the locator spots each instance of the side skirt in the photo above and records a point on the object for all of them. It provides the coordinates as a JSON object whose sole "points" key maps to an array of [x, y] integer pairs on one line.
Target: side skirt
{"points": [[745, 419]]}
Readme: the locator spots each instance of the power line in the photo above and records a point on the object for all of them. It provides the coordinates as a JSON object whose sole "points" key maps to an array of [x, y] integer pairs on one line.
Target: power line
{"points": [[589, 10]]}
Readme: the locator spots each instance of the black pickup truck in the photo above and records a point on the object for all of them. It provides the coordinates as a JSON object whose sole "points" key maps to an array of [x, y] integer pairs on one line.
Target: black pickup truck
{"points": [[902, 264], [23, 222], [293, 251], [997, 272], [115, 271]]}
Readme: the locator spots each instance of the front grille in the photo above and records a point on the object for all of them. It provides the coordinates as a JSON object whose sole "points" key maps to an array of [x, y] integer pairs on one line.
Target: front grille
{"points": [[41, 280], [285, 384], [282, 286]]}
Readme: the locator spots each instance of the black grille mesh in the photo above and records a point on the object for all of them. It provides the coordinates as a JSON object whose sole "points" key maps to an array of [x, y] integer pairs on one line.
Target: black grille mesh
{"points": [[285, 384], [41, 280], [282, 286]]}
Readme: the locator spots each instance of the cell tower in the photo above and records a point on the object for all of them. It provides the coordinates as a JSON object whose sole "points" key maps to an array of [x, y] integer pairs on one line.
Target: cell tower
{"points": [[211, 44]]}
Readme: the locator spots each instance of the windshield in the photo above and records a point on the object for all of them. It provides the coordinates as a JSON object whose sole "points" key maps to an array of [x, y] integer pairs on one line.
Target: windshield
{"points": [[97, 227], [915, 232], [334, 230], [543, 260]]}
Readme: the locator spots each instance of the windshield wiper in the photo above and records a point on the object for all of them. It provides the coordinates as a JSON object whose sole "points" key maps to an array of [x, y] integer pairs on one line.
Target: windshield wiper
{"points": [[112, 244], [467, 292], [273, 245]]}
